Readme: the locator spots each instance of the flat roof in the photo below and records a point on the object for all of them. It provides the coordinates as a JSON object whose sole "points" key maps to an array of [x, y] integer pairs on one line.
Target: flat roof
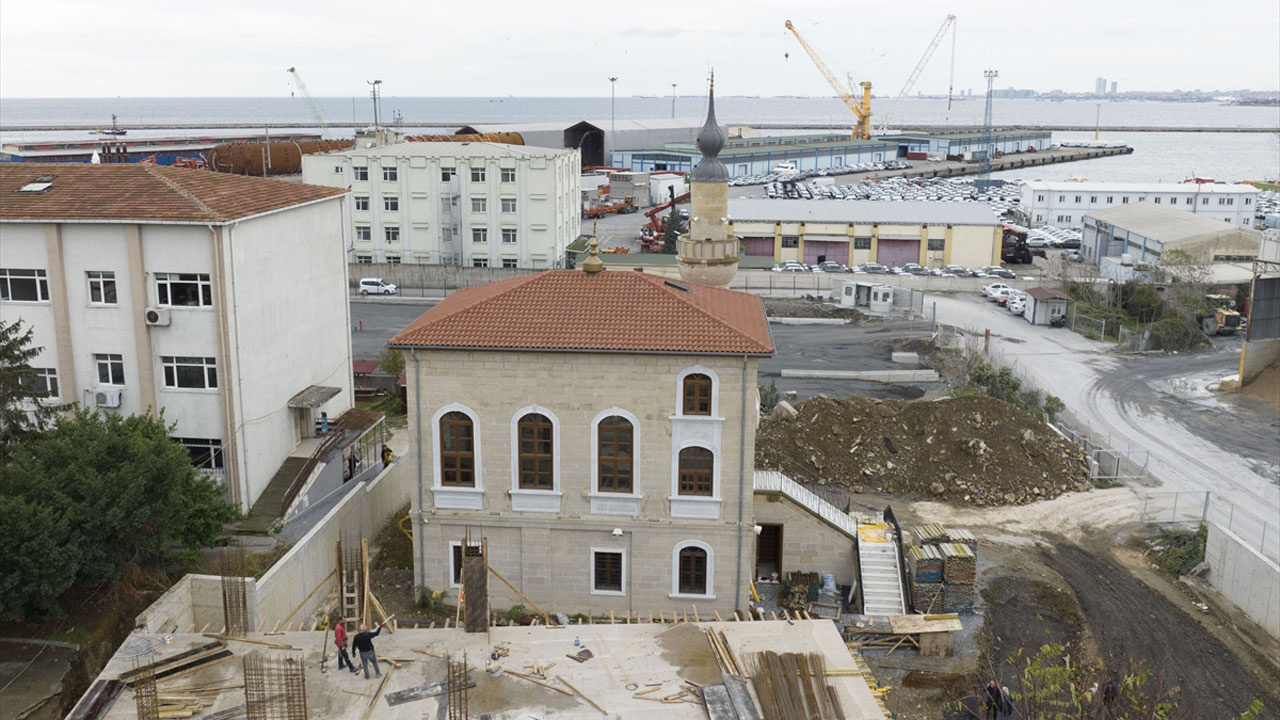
{"points": [[1165, 224], [627, 659], [454, 149], [862, 212], [1121, 187]]}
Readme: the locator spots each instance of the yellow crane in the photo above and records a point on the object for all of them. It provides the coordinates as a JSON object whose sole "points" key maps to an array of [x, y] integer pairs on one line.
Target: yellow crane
{"points": [[861, 110]]}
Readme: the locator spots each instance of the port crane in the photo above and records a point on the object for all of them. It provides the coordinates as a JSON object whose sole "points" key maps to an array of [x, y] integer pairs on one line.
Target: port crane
{"points": [[924, 60], [861, 108], [311, 104]]}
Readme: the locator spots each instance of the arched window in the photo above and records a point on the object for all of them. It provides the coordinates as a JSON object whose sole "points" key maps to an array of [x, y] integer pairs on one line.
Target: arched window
{"points": [[615, 440], [457, 451], [697, 471], [697, 394], [692, 573], [536, 456]]}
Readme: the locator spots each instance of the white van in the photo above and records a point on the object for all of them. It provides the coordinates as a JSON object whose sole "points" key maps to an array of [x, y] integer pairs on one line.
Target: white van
{"points": [[376, 287]]}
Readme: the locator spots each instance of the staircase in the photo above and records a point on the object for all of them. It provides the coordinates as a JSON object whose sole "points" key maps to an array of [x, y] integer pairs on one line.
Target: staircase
{"points": [[772, 481], [882, 592]]}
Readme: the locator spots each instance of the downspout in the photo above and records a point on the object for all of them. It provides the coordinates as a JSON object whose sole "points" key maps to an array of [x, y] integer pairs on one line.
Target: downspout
{"points": [[417, 420], [742, 481]]}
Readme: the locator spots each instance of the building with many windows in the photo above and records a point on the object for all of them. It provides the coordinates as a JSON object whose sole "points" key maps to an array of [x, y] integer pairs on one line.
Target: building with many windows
{"points": [[1064, 204], [219, 300], [1128, 241], [476, 204]]}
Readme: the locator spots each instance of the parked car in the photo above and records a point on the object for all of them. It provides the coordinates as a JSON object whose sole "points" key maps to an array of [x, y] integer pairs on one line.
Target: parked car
{"points": [[1001, 296], [790, 266], [831, 266], [1016, 305], [956, 270], [988, 289], [1073, 256], [874, 268], [999, 272], [375, 286], [914, 269]]}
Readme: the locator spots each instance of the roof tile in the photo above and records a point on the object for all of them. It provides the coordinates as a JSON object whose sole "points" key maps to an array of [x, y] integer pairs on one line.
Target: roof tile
{"points": [[617, 311]]}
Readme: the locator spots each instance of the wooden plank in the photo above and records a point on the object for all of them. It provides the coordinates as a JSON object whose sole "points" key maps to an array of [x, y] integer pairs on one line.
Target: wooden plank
{"points": [[579, 693], [310, 595], [385, 677], [182, 656], [268, 643], [517, 592], [364, 568], [422, 692], [538, 681]]}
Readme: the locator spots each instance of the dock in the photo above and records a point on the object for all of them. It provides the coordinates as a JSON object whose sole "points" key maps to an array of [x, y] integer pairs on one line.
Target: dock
{"points": [[953, 168]]}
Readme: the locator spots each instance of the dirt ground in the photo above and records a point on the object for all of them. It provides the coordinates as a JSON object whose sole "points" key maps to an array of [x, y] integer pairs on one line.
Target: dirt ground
{"points": [[810, 307]]}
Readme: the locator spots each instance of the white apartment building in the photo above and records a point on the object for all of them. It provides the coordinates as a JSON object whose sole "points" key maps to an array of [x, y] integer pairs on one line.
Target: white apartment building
{"points": [[219, 300], [475, 204], [1064, 204]]}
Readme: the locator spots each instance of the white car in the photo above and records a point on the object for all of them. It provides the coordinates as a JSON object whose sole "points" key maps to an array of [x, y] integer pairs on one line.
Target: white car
{"points": [[996, 295], [987, 290], [790, 266], [375, 286]]}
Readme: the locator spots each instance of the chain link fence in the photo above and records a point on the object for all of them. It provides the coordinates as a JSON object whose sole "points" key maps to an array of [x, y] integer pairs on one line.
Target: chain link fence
{"points": [[1192, 507]]}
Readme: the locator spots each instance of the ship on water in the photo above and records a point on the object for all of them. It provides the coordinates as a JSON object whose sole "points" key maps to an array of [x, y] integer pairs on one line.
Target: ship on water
{"points": [[115, 128]]}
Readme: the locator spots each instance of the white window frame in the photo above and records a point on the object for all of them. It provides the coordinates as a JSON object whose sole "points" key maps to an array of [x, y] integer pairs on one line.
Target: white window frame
{"points": [[337, 170], [447, 174], [478, 174], [203, 282], [392, 259], [509, 203], [479, 235], [457, 498], [675, 571], [217, 453], [705, 507], [479, 204], [480, 262], [449, 556], [109, 359], [507, 175], [391, 203], [101, 278], [390, 174], [361, 202], [510, 263], [364, 233], [513, 233], [360, 173], [614, 503], [43, 380], [524, 500], [207, 364], [364, 259], [391, 233], [41, 278], [715, 393], [591, 571]]}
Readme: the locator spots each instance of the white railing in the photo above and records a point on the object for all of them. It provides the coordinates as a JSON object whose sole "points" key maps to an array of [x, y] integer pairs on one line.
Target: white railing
{"points": [[774, 481]]}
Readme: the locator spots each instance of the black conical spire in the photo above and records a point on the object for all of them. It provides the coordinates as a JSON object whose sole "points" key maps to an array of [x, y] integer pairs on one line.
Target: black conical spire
{"points": [[710, 141]]}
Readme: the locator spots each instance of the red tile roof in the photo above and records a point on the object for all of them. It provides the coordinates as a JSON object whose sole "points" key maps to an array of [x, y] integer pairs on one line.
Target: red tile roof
{"points": [[364, 367], [138, 192], [617, 311]]}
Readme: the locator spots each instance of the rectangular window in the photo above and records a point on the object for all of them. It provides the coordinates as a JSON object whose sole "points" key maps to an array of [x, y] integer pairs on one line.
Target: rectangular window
{"points": [[337, 169], [1111, 199], [389, 174], [447, 174], [1062, 198], [102, 287], [110, 368], [606, 571], [1204, 201], [1039, 198], [362, 202], [192, 373], [1077, 199], [508, 205], [1247, 201], [391, 203], [479, 235], [479, 262], [364, 259], [1093, 199], [1157, 200], [40, 381], [862, 243], [393, 259], [184, 290], [1124, 200], [24, 285], [363, 232], [509, 263], [508, 235], [206, 453], [392, 234], [360, 173], [455, 564], [937, 244], [477, 174], [790, 241], [508, 175], [479, 205]]}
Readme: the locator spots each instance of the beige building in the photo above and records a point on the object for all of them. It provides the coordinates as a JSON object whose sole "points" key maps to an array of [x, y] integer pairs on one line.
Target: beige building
{"points": [[598, 429], [933, 234]]}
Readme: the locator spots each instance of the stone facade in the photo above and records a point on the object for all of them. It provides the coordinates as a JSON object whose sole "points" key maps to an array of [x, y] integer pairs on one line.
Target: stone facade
{"points": [[809, 544], [543, 541]]}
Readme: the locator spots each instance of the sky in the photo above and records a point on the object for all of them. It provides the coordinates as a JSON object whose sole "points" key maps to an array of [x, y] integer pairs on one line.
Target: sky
{"points": [[553, 48]]}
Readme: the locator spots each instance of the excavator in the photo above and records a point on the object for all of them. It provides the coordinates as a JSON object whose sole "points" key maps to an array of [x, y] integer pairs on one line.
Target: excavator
{"points": [[1218, 316], [861, 109]]}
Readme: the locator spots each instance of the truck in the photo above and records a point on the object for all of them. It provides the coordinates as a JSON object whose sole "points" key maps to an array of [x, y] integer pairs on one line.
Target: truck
{"points": [[1014, 249], [626, 207]]}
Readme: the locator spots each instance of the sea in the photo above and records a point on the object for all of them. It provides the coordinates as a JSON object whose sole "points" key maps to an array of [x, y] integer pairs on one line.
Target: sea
{"points": [[1158, 156]]}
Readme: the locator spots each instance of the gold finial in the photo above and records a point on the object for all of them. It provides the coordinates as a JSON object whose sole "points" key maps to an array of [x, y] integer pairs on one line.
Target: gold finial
{"points": [[593, 263]]}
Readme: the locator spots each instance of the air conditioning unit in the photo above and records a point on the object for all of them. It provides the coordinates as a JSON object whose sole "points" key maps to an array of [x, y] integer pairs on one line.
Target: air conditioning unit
{"points": [[157, 316], [107, 397]]}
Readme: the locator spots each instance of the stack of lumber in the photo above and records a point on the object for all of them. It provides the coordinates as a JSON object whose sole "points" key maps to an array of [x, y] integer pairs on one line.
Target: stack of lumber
{"points": [[931, 534], [793, 686], [183, 663], [959, 565], [943, 566], [925, 563], [927, 597], [958, 598], [965, 537], [178, 706]]}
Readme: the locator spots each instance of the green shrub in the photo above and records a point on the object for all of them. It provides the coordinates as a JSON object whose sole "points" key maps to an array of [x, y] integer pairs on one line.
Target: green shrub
{"points": [[769, 397], [516, 613], [1177, 551], [1176, 334]]}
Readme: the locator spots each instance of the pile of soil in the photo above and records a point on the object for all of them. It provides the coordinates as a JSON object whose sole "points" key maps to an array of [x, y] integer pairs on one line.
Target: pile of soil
{"points": [[1266, 386], [809, 307], [970, 450]]}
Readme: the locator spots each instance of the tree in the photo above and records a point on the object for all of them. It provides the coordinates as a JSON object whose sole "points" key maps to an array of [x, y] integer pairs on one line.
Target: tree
{"points": [[671, 234], [22, 414], [109, 492], [391, 362], [1189, 281]]}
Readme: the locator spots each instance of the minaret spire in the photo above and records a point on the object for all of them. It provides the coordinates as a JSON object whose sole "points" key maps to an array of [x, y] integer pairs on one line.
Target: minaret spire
{"points": [[708, 254]]}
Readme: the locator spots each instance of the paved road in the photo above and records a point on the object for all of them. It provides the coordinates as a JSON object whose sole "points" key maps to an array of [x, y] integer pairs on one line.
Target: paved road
{"points": [[1196, 441], [373, 323]]}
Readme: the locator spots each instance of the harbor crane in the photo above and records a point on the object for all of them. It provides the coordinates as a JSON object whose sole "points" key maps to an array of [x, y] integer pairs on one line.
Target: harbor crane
{"points": [[311, 104], [861, 109], [924, 60]]}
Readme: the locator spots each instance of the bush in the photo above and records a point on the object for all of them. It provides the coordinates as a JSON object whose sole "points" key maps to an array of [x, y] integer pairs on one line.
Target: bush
{"points": [[1114, 317], [1177, 551], [769, 397], [516, 614], [1176, 334], [1141, 301], [430, 601]]}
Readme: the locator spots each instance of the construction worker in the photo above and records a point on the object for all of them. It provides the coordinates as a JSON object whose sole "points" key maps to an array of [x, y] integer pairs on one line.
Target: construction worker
{"points": [[992, 700], [363, 643], [340, 639]]}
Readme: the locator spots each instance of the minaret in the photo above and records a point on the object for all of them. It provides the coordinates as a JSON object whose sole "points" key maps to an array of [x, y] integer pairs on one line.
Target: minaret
{"points": [[707, 255]]}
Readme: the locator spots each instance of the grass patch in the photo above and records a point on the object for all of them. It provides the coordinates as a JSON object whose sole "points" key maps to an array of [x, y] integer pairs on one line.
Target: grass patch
{"points": [[395, 549], [388, 405], [1177, 551]]}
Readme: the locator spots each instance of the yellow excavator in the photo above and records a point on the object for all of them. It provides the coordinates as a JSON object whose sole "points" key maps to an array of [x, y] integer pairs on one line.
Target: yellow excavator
{"points": [[1218, 316], [861, 109]]}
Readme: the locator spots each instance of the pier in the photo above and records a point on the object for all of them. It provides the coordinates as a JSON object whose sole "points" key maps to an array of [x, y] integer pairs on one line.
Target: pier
{"points": [[8, 127], [951, 168]]}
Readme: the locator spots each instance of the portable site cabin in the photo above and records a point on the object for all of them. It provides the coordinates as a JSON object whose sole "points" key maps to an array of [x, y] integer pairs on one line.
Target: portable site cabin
{"points": [[1044, 304], [874, 297]]}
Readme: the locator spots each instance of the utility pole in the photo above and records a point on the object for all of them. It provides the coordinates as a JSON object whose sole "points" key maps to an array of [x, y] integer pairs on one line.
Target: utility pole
{"points": [[375, 87], [1097, 120], [673, 101], [613, 84], [984, 167]]}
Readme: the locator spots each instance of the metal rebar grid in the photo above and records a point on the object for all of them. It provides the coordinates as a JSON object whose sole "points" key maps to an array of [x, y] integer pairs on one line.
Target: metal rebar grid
{"points": [[144, 695], [235, 613], [456, 689], [274, 688]]}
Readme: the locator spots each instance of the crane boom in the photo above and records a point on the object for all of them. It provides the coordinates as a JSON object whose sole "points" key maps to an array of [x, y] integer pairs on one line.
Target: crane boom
{"points": [[861, 110], [311, 104], [924, 60]]}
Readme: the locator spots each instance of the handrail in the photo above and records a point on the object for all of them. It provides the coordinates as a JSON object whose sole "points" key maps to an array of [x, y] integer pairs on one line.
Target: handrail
{"points": [[775, 481], [333, 438]]}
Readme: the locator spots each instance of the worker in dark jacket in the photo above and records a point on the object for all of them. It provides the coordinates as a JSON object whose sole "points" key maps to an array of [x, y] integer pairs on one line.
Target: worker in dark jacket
{"points": [[363, 644], [991, 700]]}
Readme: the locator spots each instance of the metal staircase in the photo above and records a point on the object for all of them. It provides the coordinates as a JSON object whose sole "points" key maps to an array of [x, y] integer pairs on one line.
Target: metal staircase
{"points": [[878, 560]]}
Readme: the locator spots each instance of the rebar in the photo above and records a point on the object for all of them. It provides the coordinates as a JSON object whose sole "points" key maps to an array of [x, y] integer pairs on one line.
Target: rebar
{"points": [[274, 688], [234, 604], [144, 695]]}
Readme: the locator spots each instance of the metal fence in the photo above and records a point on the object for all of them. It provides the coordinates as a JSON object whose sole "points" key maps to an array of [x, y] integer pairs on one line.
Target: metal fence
{"points": [[1192, 507], [1133, 341], [1111, 463], [1090, 327]]}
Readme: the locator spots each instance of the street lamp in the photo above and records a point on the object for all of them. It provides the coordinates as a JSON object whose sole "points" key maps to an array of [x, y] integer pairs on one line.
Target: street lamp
{"points": [[613, 84], [673, 101]]}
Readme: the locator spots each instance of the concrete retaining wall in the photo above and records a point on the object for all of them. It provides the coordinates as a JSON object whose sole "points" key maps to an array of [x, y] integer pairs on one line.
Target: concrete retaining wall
{"points": [[1246, 577], [195, 600], [1255, 356]]}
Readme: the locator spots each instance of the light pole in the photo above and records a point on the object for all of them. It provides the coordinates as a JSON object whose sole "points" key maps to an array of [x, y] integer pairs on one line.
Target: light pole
{"points": [[613, 84], [673, 101]]}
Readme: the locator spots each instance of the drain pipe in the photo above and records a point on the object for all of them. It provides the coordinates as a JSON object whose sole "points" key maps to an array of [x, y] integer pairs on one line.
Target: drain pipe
{"points": [[417, 420], [742, 478]]}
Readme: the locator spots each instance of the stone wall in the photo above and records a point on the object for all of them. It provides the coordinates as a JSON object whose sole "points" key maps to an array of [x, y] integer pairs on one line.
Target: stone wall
{"points": [[808, 543]]}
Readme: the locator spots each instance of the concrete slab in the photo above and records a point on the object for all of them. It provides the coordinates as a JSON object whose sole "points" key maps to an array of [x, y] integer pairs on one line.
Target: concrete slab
{"points": [[906, 358], [628, 658]]}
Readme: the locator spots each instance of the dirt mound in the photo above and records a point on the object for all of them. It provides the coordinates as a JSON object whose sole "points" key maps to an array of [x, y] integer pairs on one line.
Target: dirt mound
{"points": [[1266, 386], [808, 307], [975, 450]]}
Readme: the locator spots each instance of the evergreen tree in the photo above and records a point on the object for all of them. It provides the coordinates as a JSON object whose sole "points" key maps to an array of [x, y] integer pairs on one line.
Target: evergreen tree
{"points": [[22, 415]]}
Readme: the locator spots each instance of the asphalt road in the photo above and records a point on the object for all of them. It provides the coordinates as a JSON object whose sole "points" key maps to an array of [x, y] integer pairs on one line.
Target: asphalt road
{"points": [[1197, 441], [373, 323]]}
